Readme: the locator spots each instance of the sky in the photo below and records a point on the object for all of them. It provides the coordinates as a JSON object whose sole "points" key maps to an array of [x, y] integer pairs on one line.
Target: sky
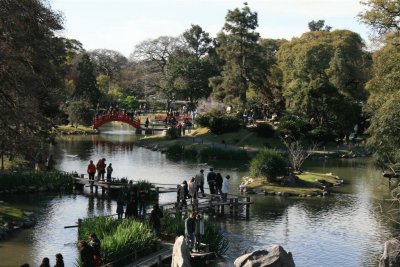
{"points": [[121, 24]]}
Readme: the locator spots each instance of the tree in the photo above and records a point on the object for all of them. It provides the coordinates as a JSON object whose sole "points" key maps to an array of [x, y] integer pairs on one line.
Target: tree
{"points": [[108, 62], [384, 131], [297, 153], [381, 15], [197, 41], [324, 73], [129, 103], [238, 47], [86, 86], [32, 65], [79, 112], [315, 26]]}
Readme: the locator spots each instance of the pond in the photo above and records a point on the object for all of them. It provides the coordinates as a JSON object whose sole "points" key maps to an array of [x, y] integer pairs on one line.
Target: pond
{"points": [[344, 229]]}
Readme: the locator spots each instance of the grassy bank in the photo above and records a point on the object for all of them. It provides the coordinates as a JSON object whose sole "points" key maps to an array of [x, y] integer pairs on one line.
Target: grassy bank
{"points": [[305, 184], [80, 129]]}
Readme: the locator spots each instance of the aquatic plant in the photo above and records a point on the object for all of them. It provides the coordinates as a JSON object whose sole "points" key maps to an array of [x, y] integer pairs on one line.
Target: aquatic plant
{"points": [[13, 180], [118, 237]]}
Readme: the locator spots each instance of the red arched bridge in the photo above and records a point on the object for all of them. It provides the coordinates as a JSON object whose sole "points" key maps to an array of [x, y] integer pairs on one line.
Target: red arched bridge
{"points": [[99, 120]]}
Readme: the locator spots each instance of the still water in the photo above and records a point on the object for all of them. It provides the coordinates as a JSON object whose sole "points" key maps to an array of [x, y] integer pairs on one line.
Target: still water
{"points": [[344, 229]]}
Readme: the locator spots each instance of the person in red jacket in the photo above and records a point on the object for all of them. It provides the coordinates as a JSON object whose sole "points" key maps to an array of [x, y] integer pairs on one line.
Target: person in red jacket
{"points": [[101, 168], [91, 170]]}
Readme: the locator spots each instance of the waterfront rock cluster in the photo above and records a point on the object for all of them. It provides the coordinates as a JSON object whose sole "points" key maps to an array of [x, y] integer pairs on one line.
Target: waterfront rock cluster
{"points": [[11, 227], [391, 254], [274, 256]]}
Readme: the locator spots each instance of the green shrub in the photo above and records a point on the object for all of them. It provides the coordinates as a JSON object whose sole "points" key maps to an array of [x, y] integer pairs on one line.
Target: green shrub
{"points": [[118, 237], [203, 120], [264, 130], [173, 133], [322, 135], [268, 163], [175, 151], [11, 180], [190, 153], [219, 122], [294, 126]]}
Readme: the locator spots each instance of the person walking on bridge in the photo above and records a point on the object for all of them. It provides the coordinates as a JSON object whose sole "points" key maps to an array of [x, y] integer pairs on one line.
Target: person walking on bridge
{"points": [[211, 179]]}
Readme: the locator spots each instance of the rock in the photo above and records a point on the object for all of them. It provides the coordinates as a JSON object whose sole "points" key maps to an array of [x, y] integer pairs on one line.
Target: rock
{"points": [[274, 256], [391, 254], [180, 253]]}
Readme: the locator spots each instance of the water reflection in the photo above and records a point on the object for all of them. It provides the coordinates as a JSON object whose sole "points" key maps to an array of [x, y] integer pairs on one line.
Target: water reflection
{"points": [[341, 230]]}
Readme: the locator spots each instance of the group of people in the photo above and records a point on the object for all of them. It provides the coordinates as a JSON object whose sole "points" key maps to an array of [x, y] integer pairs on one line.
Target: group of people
{"points": [[101, 168], [46, 262], [216, 183], [135, 201], [90, 251], [194, 231]]}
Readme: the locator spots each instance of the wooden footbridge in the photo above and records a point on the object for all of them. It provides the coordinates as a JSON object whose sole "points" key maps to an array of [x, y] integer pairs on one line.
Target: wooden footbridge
{"points": [[234, 204]]}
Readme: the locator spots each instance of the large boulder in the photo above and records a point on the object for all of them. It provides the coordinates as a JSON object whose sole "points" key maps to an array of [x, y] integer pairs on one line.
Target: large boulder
{"points": [[391, 254], [274, 256], [180, 253]]}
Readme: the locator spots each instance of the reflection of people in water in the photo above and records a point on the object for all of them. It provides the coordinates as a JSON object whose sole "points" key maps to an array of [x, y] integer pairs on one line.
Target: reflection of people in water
{"points": [[91, 205]]}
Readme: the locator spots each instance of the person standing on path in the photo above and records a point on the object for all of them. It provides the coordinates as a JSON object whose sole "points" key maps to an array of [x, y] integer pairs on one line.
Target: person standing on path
{"points": [[200, 182], [109, 172], [211, 179], [189, 230], [155, 220], [91, 170], [101, 169], [218, 184], [199, 231], [225, 188]]}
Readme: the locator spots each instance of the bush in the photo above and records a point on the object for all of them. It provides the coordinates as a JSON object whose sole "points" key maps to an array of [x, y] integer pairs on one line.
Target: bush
{"points": [[268, 163], [190, 153], [175, 151], [173, 133], [12, 180], [264, 130], [322, 135], [294, 126], [219, 122]]}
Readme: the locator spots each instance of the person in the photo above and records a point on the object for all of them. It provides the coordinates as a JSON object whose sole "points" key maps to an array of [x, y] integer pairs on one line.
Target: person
{"points": [[45, 262], [181, 197], [132, 204], [96, 246], [146, 124], [199, 231], [50, 163], [109, 172], [211, 177], [142, 204], [192, 189], [101, 168], [218, 183], [189, 230], [120, 208], [225, 188], [59, 260], [200, 182], [86, 254], [155, 220], [91, 170], [38, 161]]}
